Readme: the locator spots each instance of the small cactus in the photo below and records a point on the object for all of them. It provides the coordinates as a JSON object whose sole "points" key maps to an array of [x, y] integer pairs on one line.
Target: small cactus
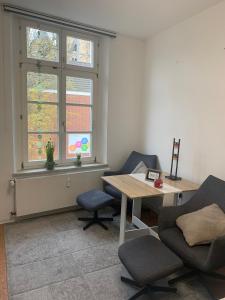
{"points": [[78, 160]]}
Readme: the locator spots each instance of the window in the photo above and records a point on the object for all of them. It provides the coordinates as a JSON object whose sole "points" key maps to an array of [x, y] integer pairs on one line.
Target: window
{"points": [[59, 70], [79, 101], [42, 44], [42, 113], [79, 52]]}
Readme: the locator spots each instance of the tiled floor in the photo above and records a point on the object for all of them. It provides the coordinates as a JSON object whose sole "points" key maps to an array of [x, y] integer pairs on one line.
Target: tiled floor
{"points": [[52, 258]]}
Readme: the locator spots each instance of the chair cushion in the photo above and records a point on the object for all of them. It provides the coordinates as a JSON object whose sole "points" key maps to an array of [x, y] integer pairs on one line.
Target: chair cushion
{"points": [[193, 256], [147, 259], [140, 168], [202, 226], [114, 192], [136, 157], [94, 199]]}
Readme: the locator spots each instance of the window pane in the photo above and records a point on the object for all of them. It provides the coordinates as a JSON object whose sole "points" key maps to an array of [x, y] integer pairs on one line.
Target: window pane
{"points": [[42, 87], [37, 143], [78, 143], [78, 118], [42, 45], [42, 117], [79, 52], [78, 90]]}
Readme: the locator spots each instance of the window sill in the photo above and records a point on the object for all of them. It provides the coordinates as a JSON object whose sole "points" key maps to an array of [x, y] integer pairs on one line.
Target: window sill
{"points": [[60, 170]]}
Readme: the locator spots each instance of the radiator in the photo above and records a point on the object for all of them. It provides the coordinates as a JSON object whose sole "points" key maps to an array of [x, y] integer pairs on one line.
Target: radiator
{"points": [[46, 193]]}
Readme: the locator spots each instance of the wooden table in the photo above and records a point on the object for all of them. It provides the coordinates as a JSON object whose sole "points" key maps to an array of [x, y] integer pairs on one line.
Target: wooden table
{"points": [[136, 190]]}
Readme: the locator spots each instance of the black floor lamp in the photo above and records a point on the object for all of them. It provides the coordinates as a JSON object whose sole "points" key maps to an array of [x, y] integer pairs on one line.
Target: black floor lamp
{"points": [[175, 160]]}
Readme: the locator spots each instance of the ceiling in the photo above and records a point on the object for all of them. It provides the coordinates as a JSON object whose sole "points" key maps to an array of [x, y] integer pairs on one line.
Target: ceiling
{"points": [[136, 18]]}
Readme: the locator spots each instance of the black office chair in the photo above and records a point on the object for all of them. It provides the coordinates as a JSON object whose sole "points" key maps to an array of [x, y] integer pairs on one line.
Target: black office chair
{"points": [[133, 160], [201, 259]]}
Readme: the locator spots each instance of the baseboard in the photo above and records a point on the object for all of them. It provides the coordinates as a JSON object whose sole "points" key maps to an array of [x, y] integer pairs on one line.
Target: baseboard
{"points": [[47, 213]]}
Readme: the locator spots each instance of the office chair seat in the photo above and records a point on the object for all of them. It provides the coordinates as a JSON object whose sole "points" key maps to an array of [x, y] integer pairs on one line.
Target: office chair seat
{"points": [[147, 259], [193, 256]]}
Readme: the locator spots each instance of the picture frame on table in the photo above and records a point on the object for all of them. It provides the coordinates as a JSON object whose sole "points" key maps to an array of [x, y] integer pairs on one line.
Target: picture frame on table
{"points": [[153, 174]]}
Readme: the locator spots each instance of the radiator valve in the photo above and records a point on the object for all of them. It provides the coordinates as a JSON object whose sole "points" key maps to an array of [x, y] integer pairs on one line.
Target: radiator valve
{"points": [[12, 182]]}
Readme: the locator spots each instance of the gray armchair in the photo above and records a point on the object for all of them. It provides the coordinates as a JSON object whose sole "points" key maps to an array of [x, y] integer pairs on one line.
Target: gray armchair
{"points": [[202, 259], [134, 158]]}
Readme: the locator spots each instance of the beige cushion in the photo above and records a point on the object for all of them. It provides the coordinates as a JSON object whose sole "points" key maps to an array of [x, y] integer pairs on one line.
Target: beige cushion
{"points": [[203, 225], [140, 168]]}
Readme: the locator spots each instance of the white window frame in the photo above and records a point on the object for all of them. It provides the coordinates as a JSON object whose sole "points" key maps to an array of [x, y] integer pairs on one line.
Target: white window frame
{"points": [[40, 26], [62, 69], [45, 70], [86, 75], [83, 37]]}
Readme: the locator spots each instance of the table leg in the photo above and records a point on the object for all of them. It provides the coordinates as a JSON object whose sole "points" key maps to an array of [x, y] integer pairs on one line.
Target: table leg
{"points": [[136, 209], [176, 198], [123, 218]]}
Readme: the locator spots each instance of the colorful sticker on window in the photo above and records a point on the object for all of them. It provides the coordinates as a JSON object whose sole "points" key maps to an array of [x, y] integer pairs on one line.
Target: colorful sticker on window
{"points": [[78, 143]]}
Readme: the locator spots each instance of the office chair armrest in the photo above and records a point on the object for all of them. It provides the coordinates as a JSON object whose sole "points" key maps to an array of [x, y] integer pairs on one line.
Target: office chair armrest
{"points": [[168, 216], [112, 173], [216, 257]]}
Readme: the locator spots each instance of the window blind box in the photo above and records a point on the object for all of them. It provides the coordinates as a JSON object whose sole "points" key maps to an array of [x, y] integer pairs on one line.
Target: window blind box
{"points": [[57, 20]]}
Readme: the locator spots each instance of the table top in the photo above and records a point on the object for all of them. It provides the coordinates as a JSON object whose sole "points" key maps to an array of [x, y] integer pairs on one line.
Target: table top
{"points": [[134, 188]]}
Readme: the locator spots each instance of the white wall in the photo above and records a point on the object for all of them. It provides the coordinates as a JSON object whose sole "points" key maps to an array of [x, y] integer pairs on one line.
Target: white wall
{"points": [[125, 87], [185, 94], [6, 145], [125, 97], [43, 193]]}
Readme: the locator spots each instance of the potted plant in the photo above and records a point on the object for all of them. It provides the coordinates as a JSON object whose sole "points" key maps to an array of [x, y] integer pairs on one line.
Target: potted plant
{"points": [[78, 160], [50, 148]]}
